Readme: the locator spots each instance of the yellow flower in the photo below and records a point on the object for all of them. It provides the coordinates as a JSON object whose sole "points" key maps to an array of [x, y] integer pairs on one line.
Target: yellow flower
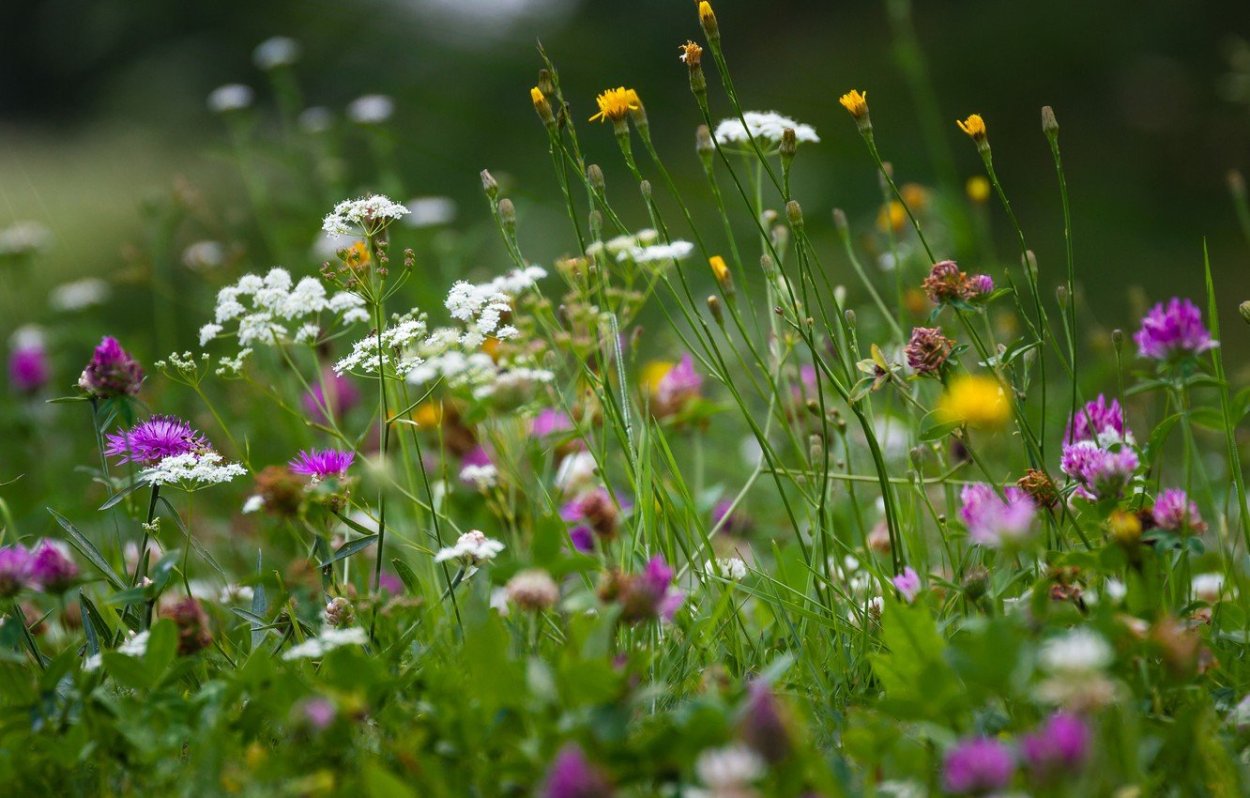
{"points": [[719, 269], [892, 217], [706, 15], [653, 373], [855, 102], [915, 196], [1124, 527], [428, 414], [357, 255], [978, 189], [615, 104], [536, 96], [974, 126], [542, 107], [691, 54], [975, 400]]}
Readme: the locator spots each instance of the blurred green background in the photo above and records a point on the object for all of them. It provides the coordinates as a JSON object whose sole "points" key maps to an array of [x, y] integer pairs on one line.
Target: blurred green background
{"points": [[102, 104]]}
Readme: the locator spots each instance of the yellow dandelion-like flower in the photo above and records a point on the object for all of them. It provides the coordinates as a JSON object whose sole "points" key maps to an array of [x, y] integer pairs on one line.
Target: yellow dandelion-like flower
{"points": [[615, 104], [536, 96], [892, 217], [855, 102], [975, 400], [915, 196], [691, 54], [719, 269], [653, 373], [978, 188], [428, 414], [974, 126]]}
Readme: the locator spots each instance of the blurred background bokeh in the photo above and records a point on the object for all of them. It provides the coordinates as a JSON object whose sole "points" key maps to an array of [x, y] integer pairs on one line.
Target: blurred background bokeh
{"points": [[103, 119]]}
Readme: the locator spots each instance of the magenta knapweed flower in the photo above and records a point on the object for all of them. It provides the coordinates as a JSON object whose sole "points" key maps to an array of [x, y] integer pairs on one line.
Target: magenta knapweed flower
{"points": [[993, 520], [677, 387], [907, 584], [322, 463], [151, 441], [571, 775], [1061, 743], [977, 765], [51, 567], [14, 570], [28, 368], [1174, 511], [1173, 329], [111, 372], [338, 393], [1102, 473], [1098, 420], [980, 285]]}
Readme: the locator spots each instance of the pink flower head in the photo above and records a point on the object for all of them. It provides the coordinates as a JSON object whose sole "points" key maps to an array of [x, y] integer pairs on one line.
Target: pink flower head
{"points": [[550, 421], [111, 372], [51, 567], [907, 584], [677, 387], [151, 441], [1102, 473], [1174, 511], [29, 369], [15, 562], [571, 775], [996, 521], [339, 394], [1097, 419], [763, 725], [1172, 330], [980, 285], [1059, 744], [979, 765], [322, 463]]}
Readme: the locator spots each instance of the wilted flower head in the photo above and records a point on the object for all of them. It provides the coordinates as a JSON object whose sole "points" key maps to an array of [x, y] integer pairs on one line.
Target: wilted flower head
{"points": [[1059, 744], [977, 765], [51, 567], [996, 521], [928, 349], [1174, 511], [571, 775], [15, 566], [946, 283], [1172, 330], [112, 372], [193, 625], [533, 590], [1100, 421], [322, 463], [151, 441]]}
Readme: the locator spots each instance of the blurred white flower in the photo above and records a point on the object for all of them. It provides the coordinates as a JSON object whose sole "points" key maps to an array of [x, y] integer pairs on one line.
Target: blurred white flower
{"points": [[370, 109], [24, 238], [472, 547], [230, 97], [328, 640], [79, 294], [204, 255], [274, 52], [430, 211], [315, 119]]}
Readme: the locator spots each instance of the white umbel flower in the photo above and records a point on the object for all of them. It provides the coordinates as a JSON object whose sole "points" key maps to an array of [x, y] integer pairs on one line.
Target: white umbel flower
{"points": [[430, 211], [193, 470], [1208, 587], [473, 547], [658, 253], [370, 214], [766, 127], [730, 770], [481, 477], [730, 567]]}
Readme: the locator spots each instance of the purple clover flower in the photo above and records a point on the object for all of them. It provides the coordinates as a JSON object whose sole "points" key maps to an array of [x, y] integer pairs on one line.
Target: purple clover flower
{"points": [[571, 775], [1061, 743], [51, 567], [112, 372], [1103, 473], [28, 368], [1171, 330], [15, 562], [151, 441], [1099, 418], [907, 583], [993, 521], [322, 463], [977, 765], [980, 285], [335, 392], [1174, 511]]}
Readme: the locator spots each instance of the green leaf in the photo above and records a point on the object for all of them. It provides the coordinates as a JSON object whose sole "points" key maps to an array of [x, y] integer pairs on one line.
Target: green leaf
{"points": [[88, 550], [348, 549], [117, 497], [919, 683], [381, 783], [128, 671], [162, 648], [932, 427]]}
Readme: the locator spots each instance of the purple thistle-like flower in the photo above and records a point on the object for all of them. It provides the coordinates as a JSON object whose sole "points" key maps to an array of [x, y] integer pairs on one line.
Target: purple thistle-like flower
{"points": [[322, 463], [677, 387], [1098, 418], [583, 538], [29, 369], [992, 520], [1174, 511], [549, 421], [15, 562], [51, 567], [1061, 743], [977, 765], [907, 583], [151, 441], [571, 775], [336, 392], [1173, 329], [111, 372], [1103, 473]]}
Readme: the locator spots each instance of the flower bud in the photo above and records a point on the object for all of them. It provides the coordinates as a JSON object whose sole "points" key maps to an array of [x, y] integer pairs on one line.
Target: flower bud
{"points": [[595, 175], [707, 19], [507, 215], [704, 146], [1244, 310], [1050, 125], [721, 272], [545, 84], [542, 108], [718, 312], [795, 214], [644, 188], [489, 185], [840, 222], [339, 612], [1237, 184], [789, 145]]}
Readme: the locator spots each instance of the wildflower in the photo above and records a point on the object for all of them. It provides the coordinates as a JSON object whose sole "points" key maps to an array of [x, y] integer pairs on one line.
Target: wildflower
{"points": [[51, 568], [369, 214], [732, 568], [907, 584], [24, 238], [765, 127], [691, 54], [1098, 421], [274, 303], [15, 570], [974, 127], [856, 103], [1075, 653], [728, 772], [977, 765], [112, 372], [893, 216], [577, 472], [1125, 527], [729, 519], [1207, 587], [204, 255], [542, 107], [327, 641], [480, 476], [764, 724], [230, 97], [707, 20], [339, 612], [615, 105], [151, 441], [672, 386], [650, 594], [571, 775], [928, 349], [550, 421], [533, 590], [193, 626], [975, 400], [996, 521], [473, 547], [658, 253], [1102, 473], [279, 492], [1040, 488], [370, 109], [333, 393], [322, 463], [318, 712], [29, 369], [1173, 330], [946, 283], [429, 211], [1175, 512], [1061, 744], [192, 470], [978, 189], [79, 294], [597, 509], [275, 52]]}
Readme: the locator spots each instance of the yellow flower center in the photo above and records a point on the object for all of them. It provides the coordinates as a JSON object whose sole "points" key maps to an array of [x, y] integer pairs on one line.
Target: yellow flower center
{"points": [[615, 104]]}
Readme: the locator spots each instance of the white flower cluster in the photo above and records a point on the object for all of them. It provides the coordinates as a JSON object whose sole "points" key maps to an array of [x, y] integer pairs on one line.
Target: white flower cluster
{"points": [[135, 646], [370, 109], [395, 341], [728, 771], [275, 304], [482, 307], [276, 51], [621, 246], [472, 547], [329, 639], [659, 253], [481, 477], [192, 470], [79, 294], [23, 238], [369, 214], [430, 211], [766, 127], [730, 567], [1075, 663]]}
